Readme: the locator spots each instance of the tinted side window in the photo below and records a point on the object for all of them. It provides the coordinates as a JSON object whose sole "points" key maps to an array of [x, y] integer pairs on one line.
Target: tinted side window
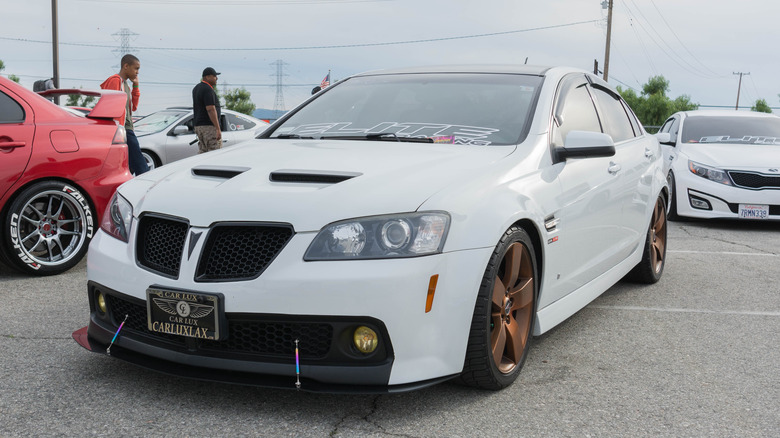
{"points": [[575, 111], [615, 119], [634, 120], [10, 111]]}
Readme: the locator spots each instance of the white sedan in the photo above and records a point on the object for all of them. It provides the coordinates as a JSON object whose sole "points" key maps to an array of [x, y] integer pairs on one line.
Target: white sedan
{"points": [[169, 135], [723, 164], [398, 229]]}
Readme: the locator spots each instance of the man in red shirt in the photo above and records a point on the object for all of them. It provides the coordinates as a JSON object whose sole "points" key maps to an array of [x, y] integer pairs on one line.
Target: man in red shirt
{"points": [[129, 70]]}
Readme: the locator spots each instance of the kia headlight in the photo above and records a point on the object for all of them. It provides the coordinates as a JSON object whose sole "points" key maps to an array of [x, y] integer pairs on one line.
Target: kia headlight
{"points": [[379, 237], [711, 173], [118, 218]]}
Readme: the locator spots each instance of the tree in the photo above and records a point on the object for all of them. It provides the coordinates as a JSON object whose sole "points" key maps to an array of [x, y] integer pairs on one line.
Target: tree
{"points": [[79, 100], [11, 76], [761, 106], [653, 107], [239, 99]]}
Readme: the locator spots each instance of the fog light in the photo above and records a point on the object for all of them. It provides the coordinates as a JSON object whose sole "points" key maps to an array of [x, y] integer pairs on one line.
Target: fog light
{"points": [[699, 203], [365, 339], [101, 302]]}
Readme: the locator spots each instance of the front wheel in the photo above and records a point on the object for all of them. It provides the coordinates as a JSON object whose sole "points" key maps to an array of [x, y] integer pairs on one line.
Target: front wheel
{"points": [[152, 160], [47, 228], [651, 267], [503, 315]]}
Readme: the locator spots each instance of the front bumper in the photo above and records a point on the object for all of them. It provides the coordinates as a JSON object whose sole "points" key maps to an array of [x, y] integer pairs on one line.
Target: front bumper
{"points": [[699, 198], [419, 348]]}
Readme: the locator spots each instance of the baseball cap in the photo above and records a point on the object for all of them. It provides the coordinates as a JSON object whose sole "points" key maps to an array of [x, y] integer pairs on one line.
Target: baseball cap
{"points": [[210, 71]]}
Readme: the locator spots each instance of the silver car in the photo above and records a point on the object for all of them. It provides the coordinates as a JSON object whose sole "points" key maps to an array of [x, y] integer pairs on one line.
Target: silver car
{"points": [[168, 135]]}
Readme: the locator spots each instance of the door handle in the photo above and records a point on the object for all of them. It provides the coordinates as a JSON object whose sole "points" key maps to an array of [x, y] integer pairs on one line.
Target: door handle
{"points": [[613, 168], [671, 157], [7, 146], [649, 153]]}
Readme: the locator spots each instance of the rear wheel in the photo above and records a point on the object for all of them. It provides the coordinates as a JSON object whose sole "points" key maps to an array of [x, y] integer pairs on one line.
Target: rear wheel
{"points": [[47, 228], [651, 267], [503, 315]]}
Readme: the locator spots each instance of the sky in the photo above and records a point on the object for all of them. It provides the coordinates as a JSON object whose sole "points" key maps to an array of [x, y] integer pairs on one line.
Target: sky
{"points": [[697, 45]]}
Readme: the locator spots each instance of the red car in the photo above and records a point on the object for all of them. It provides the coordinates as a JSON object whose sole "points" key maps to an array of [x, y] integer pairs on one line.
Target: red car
{"points": [[58, 170]]}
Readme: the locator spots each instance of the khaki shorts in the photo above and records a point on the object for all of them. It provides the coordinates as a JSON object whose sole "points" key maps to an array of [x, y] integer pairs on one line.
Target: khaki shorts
{"points": [[207, 139]]}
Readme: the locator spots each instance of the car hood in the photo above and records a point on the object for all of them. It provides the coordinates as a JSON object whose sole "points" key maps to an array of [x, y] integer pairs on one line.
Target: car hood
{"points": [[295, 181], [752, 157]]}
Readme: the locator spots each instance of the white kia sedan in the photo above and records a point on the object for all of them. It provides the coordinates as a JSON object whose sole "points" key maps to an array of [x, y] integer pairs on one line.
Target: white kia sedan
{"points": [[723, 164], [398, 229]]}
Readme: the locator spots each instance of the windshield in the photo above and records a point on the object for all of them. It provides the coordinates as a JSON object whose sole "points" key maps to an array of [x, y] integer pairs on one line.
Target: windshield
{"points": [[742, 130], [464, 109], [158, 121]]}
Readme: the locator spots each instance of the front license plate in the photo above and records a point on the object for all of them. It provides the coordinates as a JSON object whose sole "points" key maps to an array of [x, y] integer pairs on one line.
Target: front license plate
{"points": [[182, 313], [753, 211]]}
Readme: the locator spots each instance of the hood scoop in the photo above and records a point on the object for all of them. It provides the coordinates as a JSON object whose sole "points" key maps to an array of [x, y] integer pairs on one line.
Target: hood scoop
{"points": [[311, 176], [221, 172]]}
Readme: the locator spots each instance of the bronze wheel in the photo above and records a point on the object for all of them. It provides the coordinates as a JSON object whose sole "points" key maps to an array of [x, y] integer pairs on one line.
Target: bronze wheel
{"points": [[503, 314], [651, 267], [512, 305], [658, 237]]}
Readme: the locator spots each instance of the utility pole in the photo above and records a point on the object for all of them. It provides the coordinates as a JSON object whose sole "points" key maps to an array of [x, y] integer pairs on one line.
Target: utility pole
{"points": [[739, 86], [609, 37], [55, 49], [124, 35]]}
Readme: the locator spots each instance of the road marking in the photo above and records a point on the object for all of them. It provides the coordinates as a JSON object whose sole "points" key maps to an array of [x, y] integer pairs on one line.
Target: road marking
{"points": [[678, 310], [725, 252]]}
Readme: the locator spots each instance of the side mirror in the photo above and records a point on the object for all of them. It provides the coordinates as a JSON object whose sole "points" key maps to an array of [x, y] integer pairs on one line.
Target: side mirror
{"points": [[664, 138], [581, 144], [180, 130]]}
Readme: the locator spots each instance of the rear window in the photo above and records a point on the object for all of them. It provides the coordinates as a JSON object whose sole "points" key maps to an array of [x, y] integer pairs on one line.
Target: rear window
{"points": [[741, 130]]}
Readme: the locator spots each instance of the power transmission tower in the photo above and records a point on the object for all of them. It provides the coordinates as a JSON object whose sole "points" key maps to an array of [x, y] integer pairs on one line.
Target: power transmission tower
{"points": [[740, 85], [279, 100], [124, 36]]}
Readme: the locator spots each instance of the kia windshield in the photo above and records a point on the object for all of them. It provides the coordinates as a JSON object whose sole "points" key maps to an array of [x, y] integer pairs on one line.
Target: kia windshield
{"points": [[453, 108], [158, 121], [739, 130]]}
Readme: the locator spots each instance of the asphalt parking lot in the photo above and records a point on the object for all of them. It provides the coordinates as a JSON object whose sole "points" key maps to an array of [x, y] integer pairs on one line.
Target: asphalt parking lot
{"points": [[697, 354]]}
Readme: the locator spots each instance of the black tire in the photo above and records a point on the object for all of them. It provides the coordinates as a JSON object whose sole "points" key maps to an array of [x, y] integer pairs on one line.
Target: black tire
{"points": [[505, 306], [47, 228], [152, 160], [672, 213], [650, 269]]}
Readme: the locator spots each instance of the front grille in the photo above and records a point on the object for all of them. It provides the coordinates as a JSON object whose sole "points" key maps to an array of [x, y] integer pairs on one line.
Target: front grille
{"points": [[752, 180], [240, 252], [160, 244], [257, 336]]}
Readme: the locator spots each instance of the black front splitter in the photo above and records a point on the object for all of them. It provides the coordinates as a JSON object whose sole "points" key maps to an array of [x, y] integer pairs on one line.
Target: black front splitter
{"points": [[82, 337]]}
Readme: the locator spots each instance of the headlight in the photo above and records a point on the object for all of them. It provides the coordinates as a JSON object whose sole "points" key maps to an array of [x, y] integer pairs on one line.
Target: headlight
{"points": [[118, 218], [711, 173], [403, 235]]}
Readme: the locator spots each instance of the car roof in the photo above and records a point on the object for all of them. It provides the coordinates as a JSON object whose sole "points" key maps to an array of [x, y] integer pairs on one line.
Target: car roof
{"points": [[465, 68]]}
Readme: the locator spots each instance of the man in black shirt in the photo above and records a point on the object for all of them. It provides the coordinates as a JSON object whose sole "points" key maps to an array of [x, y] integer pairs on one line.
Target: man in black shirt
{"points": [[207, 112]]}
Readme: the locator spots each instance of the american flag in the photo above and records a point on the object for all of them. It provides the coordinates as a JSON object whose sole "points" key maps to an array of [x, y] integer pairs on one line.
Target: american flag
{"points": [[325, 82]]}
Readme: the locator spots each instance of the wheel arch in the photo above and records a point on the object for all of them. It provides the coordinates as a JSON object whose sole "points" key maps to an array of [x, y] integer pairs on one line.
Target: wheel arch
{"points": [[10, 200]]}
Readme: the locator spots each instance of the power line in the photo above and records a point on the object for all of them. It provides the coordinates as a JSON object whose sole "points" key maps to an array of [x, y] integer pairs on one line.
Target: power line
{"points": [[339, 46]]}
